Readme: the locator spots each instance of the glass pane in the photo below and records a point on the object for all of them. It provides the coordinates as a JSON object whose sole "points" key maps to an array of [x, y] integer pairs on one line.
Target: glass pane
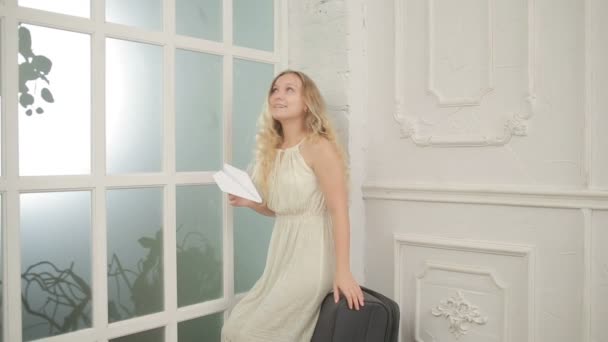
{"points": [[203, 329], [135, 268], [199, 244], [251, 239], [199, 18], [146, 14], [198, 101], [254, 24], [1, 114], [251, 84], [55, 263], [80, 8], [251, 230], [54, 102], [156, 335], [133, 106]]}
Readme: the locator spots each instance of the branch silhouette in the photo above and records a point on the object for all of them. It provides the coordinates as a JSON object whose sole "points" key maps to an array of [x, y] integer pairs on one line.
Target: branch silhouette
{"points": [[65, 291], [66, 297]]}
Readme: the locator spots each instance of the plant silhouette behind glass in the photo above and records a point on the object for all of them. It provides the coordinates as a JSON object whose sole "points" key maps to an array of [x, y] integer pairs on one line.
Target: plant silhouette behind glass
{"points": [[34, 67], [66, 297]]}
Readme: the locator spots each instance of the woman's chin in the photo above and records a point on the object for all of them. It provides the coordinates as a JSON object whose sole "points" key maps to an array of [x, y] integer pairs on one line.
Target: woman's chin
{"points": [[283, 116]]}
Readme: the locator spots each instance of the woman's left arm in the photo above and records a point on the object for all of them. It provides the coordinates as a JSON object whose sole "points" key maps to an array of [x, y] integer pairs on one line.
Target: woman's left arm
{"points": [[329, 169]]}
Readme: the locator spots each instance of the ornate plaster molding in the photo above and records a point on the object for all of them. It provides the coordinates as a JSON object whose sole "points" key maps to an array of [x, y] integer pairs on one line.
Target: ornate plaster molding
{"points": [[411, 125], [460, 313]]}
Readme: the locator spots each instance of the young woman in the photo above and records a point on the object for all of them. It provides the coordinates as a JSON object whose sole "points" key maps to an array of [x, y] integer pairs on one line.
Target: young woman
{"points": [[300, 171]]}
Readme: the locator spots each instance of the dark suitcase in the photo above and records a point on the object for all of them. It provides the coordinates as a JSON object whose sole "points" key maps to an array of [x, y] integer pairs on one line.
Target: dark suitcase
{"points": [[376, 321]]}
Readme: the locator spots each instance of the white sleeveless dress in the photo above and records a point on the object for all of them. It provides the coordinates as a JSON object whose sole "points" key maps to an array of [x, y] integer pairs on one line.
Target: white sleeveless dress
{"points": [[284, 303]]}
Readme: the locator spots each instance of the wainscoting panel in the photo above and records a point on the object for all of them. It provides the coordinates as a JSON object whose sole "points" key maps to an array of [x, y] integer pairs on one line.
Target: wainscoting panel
{"points": [[450, 288]]}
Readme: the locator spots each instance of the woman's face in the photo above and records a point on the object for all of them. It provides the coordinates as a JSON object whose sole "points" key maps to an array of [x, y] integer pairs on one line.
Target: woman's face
{"points": [[286, 100]]}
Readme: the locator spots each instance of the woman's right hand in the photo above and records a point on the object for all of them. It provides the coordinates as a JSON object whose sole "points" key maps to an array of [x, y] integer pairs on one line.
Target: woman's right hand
{"points": [[237, 201]]}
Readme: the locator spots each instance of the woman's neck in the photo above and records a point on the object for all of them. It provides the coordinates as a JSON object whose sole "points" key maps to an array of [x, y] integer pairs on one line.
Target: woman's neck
{"points": [[293, 133]]}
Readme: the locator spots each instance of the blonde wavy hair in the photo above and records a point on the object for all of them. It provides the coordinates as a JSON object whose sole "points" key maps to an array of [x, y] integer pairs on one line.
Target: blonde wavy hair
{"points": [[270, 133]]}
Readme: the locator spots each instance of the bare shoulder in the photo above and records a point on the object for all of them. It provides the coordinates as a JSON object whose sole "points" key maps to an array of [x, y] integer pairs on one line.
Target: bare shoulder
{"points": [[321, 145], [319, 151]]}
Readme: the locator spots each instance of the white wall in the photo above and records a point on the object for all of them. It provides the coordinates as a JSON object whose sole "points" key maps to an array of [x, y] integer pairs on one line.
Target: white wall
{"points": [[598, 89], [597, 83], [529, 212]]}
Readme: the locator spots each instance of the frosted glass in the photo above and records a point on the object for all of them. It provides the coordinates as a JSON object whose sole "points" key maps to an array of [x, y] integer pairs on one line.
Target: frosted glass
{"points": [[202, 329], [1, 115], [79, 8], [251, 84], [55, 263], [251, 239], [134, 98], [156, 335], [135, 268], [147, 14], [251, 230], [199, 244], [254, 24], [199, 18], [198, 101], [54, 102]]}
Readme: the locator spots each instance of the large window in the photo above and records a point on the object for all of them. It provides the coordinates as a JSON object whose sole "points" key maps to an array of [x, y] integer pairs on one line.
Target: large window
{"points": [[115, 115]]}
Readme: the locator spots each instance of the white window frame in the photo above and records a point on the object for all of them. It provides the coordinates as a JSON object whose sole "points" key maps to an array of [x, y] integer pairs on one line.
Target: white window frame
{"points": [[12, 185]]}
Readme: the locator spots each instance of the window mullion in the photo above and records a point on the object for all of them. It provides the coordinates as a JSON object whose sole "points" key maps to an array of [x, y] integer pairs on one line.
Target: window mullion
{"points": [[55, 20], [98, 167], [12, 261], [227, 99], [169, 203]]}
